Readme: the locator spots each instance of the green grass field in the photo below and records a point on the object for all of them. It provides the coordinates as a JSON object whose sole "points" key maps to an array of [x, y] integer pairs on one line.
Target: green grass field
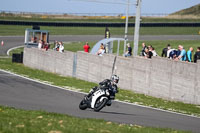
{"points": [[6, 30], [21, 121]]}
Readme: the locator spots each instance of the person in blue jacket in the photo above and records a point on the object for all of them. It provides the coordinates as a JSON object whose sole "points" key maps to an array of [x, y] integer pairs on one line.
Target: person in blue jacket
{"points": [[182, 56], [189, 55]]}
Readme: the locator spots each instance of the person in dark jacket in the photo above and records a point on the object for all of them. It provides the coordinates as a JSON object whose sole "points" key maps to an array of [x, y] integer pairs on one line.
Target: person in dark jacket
{"points": [[197, 55], [164, 51], [148, 54], [110, 84], [129, 51], [142, 53]]}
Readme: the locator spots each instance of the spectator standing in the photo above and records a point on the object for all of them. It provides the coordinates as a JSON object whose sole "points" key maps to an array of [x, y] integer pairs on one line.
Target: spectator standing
{"points": [[40, 44], [143, 49], [46, 46], [169, 51], [189, 55], [148, 54], [107, 33], [164, 51], [61, 47], [172, 53], [153, 51], [197, 55], [129, 51], [182, 56], [86, 47], [56, 46]]}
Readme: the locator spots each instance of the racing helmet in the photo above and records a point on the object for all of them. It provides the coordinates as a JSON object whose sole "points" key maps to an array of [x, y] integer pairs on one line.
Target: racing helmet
{"points": [[115, 78]]}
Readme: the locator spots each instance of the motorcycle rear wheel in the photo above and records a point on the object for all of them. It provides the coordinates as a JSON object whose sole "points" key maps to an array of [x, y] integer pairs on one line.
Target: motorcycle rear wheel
{"points": [[100, 104], [83, 105]]}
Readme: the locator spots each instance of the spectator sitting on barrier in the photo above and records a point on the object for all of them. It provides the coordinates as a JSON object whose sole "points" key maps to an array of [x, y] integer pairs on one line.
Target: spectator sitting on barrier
{"points": [[129, 51], [197, 55], [61, 47], [101, 50], [86, 47], [148, 54], [164, 51], [182, 56], [189, 55], [142, 53]]}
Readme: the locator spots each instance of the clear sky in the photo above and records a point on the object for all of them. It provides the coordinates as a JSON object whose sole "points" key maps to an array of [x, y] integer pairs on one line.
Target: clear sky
{"points": [[95, 6]]}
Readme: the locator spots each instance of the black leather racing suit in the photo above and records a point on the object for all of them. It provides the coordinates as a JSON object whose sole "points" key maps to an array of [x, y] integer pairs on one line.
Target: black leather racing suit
{"points": [[107, 83]]}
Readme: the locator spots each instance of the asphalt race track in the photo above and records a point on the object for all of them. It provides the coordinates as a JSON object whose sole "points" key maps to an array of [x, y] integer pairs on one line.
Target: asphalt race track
{"points": [[26, 94], [14, 41]]}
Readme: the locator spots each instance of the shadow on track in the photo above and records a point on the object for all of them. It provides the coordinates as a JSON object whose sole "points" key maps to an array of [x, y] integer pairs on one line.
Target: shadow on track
{"points": [[116, 113]]}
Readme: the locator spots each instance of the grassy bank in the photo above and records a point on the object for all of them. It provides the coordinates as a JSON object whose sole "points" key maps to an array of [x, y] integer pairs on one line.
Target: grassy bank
{"points": [[20, 121], [20, 30]]}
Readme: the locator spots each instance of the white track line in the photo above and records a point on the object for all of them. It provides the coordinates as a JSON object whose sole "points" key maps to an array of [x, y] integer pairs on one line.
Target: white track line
{"points": [[86, 93], [8, 52]]}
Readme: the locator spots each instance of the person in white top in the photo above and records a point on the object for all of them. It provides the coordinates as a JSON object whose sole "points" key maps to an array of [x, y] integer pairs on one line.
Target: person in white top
{"points": [[61, 48], [101, 51], [40, 44], [152, 50]]}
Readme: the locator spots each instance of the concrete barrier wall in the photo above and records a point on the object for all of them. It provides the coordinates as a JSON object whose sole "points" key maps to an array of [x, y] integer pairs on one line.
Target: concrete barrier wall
{"points": [[94, 68], [197, 84], [158, 77], [51, 61]]}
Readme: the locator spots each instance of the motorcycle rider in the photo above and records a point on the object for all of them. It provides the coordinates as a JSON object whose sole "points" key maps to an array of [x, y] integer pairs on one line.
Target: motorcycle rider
{"points": [[110, 84]]}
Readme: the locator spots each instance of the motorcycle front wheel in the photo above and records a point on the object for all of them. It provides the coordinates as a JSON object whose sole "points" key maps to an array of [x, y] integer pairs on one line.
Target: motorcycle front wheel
{"points": [[83, 105], [100, 104]]}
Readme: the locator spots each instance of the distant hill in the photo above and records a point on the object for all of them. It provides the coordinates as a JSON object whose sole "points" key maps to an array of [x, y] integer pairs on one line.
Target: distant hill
{"points": [[192, 11]]}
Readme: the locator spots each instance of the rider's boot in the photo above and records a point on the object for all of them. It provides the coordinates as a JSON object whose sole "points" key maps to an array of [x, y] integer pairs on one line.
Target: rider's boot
{"points": [[109, 103]]}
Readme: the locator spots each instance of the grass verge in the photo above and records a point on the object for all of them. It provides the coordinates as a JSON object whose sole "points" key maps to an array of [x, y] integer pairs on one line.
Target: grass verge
{"points": [[20, 121], [16, 51]]}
